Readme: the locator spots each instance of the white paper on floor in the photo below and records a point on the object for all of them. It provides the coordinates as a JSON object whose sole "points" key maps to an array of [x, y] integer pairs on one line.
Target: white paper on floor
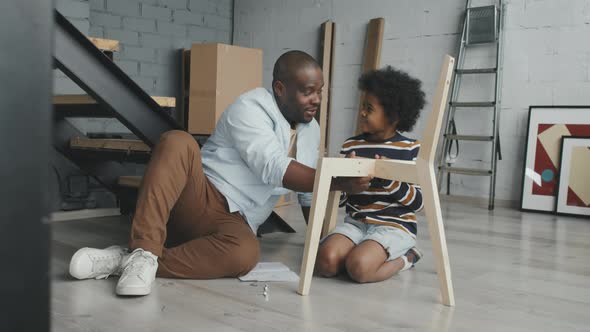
{"points": [[270, 271]]}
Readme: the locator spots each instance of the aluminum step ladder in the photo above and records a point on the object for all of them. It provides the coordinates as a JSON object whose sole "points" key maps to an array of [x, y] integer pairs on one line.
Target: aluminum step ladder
{"points": [[482, 30]]}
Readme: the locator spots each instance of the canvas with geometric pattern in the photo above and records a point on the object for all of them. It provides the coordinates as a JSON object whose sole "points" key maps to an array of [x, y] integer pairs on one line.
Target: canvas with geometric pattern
{"points": [[546, 127], [548, 153]]}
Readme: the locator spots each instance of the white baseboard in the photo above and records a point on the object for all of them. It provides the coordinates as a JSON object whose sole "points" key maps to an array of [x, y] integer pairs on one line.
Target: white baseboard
{"points": [[483, 201], [84, 214]]}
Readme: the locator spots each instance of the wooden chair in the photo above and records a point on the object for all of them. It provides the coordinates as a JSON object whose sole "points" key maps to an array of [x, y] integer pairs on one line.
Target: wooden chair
{"points": [[419, 172]]}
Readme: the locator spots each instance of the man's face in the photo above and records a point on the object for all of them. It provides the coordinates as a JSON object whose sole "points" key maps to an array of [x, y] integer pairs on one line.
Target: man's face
{"points": [[300, 97]]}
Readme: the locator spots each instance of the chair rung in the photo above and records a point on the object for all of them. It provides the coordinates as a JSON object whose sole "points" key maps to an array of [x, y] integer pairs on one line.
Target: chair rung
{"points": [[469, 137], [466, 171], [473, 104], [477, 71]]}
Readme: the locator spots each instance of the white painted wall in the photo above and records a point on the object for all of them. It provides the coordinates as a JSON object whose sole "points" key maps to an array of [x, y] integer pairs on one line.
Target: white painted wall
{"points": [[546, 61]]}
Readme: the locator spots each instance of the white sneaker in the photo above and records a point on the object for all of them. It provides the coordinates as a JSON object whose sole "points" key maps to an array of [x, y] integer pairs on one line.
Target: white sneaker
{"points": [[138, 273], [96, 263], [407, 264], [417, 256]]}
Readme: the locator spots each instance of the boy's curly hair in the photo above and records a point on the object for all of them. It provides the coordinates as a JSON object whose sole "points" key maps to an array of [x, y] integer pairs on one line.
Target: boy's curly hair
{"points": [[400, 95]]}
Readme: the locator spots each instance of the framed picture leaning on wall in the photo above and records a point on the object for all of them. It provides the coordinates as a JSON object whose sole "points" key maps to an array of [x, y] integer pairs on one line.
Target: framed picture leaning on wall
{"points": [[546, 126], [573, 186]]}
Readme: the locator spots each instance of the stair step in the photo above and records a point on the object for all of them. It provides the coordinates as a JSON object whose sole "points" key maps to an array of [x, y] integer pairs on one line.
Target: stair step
{"points": [[477, 71], [129, 181], [109, 144], [86, 100], [116, 150], [473, 104], [469, 137], [85, 106], [466, 171], [103, 144], [108, 45]]}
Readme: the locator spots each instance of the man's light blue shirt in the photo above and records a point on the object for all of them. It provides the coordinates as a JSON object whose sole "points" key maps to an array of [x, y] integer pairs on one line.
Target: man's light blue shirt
{"points": [[246, 156]]}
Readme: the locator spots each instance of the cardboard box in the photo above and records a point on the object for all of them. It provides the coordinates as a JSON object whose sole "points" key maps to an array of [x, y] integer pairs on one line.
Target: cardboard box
{"points": [[218, 74]]}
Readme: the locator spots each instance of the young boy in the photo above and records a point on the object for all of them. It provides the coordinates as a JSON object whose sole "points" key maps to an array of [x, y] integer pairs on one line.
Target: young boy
{"points": [[378, 235]]}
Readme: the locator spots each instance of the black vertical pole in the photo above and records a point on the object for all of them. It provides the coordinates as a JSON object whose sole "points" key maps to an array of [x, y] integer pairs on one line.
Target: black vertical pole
{"points": [[26, 40]]}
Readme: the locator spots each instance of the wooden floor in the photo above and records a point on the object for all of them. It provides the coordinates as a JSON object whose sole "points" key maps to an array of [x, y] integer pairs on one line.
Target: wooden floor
{"points": [[512, 271]]}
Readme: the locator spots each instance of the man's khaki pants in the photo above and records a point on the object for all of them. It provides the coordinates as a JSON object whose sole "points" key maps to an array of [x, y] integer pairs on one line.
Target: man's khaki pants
{"points": [[183, 219]]}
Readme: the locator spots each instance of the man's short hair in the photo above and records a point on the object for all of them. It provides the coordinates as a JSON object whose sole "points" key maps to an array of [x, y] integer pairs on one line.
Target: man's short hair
{"points": [[288, 63]]}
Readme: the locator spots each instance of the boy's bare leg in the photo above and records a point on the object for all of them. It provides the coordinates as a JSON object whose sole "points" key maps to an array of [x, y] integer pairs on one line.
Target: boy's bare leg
{"points": [[332, 255], [367, 263]]}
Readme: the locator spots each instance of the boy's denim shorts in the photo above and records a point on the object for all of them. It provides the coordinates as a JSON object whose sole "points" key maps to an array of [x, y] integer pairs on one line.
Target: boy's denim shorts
{"points": [[394, 240]]}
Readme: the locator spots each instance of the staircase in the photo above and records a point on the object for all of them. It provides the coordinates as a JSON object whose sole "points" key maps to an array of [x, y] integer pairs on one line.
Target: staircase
{"points": [[111, 94]]}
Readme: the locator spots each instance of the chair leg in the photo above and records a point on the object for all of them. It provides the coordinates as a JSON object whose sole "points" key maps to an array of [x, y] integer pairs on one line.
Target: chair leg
{"points": [[437, 233], [321, 189], [331, 213]]}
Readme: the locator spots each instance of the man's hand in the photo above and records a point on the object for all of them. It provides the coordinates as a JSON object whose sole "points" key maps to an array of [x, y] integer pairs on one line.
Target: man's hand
{"points": [[300, 178], [351, 185]]}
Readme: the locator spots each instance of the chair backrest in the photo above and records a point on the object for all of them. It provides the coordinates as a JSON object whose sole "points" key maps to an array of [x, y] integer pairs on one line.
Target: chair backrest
{"points": [[431, 133]]}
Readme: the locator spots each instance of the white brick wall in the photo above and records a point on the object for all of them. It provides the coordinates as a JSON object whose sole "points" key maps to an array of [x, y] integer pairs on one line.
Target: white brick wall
{"points": [[546, 60], [151, 30], [77, 12]]}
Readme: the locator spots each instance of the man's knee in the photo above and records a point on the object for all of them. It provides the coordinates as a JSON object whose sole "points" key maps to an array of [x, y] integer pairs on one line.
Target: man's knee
{"points": [[178, 138], [243, 256]]}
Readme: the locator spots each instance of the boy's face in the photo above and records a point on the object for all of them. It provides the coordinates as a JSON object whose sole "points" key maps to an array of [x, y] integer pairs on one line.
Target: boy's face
{"points": [[373, 120], [300, 97]]}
